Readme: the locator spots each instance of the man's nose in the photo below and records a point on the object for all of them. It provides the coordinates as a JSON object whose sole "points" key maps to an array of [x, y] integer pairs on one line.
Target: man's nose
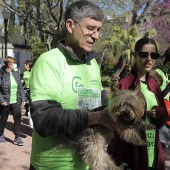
{"points": [[96, 35]]}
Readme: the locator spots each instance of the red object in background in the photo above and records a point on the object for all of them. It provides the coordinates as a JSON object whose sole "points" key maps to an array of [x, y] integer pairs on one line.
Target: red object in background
{"points": [[167, 103]]}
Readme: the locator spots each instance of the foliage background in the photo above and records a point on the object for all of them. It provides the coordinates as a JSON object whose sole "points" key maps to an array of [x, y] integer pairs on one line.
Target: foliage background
{"points": [[40, 23]]}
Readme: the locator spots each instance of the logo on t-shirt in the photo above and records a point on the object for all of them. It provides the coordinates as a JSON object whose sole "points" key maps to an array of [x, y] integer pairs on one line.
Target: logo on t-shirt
{"points": [[76, 82]]}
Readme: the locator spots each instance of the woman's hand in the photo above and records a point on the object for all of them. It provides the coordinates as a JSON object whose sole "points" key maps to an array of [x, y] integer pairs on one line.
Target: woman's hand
{"points": [[4, 104], [23, 103], [152, 113]]}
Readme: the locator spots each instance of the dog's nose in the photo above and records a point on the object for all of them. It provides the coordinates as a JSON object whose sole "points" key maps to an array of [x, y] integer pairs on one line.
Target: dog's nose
{"points": [[127, 112]]}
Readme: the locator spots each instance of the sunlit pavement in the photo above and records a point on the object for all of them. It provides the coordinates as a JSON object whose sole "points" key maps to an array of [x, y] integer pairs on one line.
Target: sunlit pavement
{"points": [[14, 157]]}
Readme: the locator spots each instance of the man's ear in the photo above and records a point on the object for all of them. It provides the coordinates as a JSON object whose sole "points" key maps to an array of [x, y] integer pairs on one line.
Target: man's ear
{"points": [[69, 25]]}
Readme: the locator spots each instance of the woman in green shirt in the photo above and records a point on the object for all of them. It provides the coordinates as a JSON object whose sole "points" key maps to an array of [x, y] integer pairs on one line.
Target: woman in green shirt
{"points": [[28, 65]]}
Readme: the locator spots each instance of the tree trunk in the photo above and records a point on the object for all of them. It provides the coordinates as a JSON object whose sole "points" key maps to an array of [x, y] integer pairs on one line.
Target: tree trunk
{"points": [[143, 17]]}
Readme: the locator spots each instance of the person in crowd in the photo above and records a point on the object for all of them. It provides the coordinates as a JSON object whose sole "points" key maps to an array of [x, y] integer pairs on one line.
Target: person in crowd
{"points": [[28, 65], [65, 85], [163, 70], [151, 156], [164, 131], [15, 68], [11, 97]]}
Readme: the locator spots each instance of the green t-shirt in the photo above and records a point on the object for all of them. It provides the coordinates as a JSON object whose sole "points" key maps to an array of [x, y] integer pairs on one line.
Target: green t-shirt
{"points": [[57, 78], [150, 134], [26, 76], [13, 90], [165, 81]]}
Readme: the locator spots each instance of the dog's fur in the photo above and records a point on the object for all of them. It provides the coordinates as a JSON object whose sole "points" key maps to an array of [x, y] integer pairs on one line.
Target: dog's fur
{"points": [[126, 109]]}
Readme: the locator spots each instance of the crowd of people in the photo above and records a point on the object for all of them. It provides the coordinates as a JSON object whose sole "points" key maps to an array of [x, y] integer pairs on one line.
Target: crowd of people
{"points": [[64, 95]]}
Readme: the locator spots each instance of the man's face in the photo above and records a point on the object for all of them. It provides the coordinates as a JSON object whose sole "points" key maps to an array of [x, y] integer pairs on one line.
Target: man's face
{"points": [[85, 33]]}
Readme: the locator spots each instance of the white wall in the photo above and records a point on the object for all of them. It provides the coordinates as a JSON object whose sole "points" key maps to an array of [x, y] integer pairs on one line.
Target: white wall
{"points": [[20, 54]]}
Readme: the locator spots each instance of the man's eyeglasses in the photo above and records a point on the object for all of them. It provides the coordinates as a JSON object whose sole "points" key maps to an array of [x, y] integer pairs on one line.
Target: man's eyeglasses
{"points": [[153, 55], [90, 30]]}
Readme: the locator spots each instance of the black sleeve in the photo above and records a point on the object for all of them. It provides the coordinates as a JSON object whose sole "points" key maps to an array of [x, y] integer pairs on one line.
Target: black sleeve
{"points": [[1, 96], [21, 89], [49, 118]]}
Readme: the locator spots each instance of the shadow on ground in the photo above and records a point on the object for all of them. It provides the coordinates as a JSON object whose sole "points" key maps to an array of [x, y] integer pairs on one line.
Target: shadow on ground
{"points": [[25, 129]]}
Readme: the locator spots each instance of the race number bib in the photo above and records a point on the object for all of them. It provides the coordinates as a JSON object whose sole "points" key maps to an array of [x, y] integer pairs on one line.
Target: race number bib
{"points": [[88, 99]]}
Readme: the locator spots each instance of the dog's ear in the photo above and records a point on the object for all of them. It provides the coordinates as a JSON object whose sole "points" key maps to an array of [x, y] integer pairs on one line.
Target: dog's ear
{"points": [[138, 88], [115, 90]]}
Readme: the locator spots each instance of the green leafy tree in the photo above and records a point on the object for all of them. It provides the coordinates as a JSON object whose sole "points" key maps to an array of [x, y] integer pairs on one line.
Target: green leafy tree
{"points": [[38, 46], [43, 21]]}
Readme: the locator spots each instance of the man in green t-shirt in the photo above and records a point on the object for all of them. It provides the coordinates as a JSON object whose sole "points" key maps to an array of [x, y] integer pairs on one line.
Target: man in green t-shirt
{"points": [[65, 84]]}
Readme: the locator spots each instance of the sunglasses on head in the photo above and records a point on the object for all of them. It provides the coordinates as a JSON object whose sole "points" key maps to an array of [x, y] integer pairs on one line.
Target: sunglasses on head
{"points": [[146, 54]]}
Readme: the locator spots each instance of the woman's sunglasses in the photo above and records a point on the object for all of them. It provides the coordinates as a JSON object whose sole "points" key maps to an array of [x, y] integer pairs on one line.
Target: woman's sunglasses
{"points": [[153, 55]]}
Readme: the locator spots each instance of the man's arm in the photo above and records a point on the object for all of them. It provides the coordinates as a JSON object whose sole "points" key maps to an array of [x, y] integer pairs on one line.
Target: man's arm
{"points": [[49, 118]]}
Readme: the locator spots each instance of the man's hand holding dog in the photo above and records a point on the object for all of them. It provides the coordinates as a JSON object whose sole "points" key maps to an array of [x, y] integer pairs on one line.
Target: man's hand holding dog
{"points": [[102, 118]]}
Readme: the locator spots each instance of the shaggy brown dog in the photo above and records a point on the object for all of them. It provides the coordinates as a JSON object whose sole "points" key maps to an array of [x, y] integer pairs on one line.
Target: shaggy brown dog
{"points": [[125, 109]]}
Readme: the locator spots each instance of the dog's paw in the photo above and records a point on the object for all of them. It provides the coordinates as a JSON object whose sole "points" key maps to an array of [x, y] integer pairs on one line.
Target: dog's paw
{"points": [[123, 166], [140, 143], [131, 136]]}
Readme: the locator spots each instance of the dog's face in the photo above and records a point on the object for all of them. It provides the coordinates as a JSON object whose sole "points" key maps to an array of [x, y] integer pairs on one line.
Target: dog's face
{"points": [[126, 107]]}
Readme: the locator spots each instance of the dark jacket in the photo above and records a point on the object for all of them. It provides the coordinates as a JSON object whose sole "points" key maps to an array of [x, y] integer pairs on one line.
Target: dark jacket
{"points": [[5, 87], [46, 113], [136, 156]]}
